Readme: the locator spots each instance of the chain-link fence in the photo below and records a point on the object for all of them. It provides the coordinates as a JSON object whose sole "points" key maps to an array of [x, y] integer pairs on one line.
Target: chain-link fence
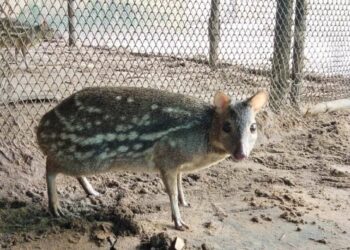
{"points": [[299, 50]]}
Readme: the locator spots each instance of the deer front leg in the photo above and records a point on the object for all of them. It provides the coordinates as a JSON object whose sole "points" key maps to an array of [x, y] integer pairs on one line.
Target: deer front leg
{"points": [[169, 178]]}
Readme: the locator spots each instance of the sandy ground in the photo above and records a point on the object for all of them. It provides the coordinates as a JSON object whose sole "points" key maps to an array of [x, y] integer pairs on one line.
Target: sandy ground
{"points": [[293, 193]]}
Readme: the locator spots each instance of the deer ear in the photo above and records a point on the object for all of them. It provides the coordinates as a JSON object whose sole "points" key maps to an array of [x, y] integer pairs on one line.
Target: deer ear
{"points": [[221, 101], [257, 101]]}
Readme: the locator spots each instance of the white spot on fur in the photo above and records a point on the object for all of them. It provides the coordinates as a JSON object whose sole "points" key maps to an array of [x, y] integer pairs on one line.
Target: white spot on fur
{"points": [[98, 122], [87, 155], [137, 146], [78, 155], [72, 137], [144, 119], [172, 144], [63, 120], [93, 110], [118, 98], [106, 117], [72, 148], [135, 120], [130, 100], [121, 128], [130, 154], [79, 128], [122, 118], [110, 137], [157, 135], [97, 139], [47, 123], [77, 102], [63, 136], [121, 137], [168, 110], [154, 106], [176, 111], [133, 135], [122, 149], [105, 155], [43, 135]]}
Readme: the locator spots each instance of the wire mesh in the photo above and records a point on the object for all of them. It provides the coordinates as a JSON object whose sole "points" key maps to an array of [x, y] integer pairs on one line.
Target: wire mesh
{"points": [[50, 49]]}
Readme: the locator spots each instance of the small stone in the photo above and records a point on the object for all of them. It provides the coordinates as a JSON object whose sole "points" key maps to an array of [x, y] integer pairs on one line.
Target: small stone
{"points": [[35, 197], [179, 243], [143, 191], [322, 241], [208, 224], [255, 219], [287, 197], [30, 194], [74, 239], [93, 200], [266, 218], [205, 246], [298, 229], [253, 204], [287, 181], [194, 177]]}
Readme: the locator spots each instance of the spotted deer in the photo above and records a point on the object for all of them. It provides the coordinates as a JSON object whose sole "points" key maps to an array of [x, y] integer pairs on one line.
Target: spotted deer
{"points": [[22, 36], [134, 129]]}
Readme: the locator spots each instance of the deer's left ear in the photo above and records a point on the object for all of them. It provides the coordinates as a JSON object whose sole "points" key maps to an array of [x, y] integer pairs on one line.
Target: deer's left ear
{"points": [[257, 101], [221, 101]]}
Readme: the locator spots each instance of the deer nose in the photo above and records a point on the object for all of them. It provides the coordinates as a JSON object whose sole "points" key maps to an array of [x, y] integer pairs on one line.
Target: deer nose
{"points": [[239, 153]]}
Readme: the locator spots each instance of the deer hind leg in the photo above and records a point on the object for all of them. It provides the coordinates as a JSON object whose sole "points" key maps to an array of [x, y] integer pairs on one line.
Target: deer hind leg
{"points": [[181, 194], [51, 175], [89, 190]]}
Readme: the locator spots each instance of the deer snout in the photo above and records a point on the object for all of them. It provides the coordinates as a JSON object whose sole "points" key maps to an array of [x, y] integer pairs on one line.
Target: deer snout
{"points": [[239, 153]]}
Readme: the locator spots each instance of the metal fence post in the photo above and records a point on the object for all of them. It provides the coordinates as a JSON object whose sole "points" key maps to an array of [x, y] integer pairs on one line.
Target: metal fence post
{"points": [[281, 53], [298, 50], [214, 32], [71, 39]]}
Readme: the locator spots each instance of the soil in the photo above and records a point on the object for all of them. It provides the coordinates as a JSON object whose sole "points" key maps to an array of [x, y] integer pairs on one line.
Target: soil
{"points": [[293, 193]]}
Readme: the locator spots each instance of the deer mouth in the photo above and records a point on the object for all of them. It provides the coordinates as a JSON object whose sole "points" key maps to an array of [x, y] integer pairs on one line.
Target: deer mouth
{"points": [[239, 155]]}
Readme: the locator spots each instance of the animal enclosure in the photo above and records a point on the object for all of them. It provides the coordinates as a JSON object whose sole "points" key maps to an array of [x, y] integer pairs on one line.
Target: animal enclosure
{"points": [[298, 50], [302, 55]]}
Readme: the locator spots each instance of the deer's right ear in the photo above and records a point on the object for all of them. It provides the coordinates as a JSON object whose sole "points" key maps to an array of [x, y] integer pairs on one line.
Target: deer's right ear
{"points": [[258, 100], [221, 101]]}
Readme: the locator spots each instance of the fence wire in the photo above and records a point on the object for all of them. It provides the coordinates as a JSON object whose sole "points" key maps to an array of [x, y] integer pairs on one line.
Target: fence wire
{"points": [[298, 50]]}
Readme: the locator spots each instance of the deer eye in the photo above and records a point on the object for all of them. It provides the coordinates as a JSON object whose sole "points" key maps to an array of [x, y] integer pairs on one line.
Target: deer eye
{"points": [[227, 127], [253, 128]]}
